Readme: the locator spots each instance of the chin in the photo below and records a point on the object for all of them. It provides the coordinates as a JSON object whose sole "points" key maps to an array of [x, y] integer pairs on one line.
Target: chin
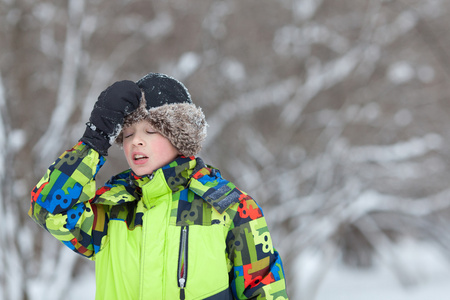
{"points": [[140, 172]]}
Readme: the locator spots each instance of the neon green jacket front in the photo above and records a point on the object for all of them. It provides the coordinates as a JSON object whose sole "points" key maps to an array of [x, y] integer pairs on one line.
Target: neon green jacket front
{"points": [[181, 233]]}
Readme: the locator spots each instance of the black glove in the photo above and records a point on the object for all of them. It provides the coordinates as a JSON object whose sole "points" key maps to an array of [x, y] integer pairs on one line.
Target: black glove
{"points": [[117, 101]]}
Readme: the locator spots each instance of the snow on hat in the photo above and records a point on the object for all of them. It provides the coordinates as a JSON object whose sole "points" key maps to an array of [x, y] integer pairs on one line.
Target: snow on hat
{"points": [[167, 105], [160, 89]]}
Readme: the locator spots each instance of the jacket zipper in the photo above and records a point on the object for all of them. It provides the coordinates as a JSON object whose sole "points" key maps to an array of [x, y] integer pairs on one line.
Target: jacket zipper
{"points": [[182, 261]]}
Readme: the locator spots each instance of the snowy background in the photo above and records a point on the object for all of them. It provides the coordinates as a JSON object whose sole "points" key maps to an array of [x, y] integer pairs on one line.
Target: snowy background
{"points": [[333, 115]]}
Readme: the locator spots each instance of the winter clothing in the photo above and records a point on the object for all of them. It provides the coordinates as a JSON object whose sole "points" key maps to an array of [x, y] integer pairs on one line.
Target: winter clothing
{"points": [[160, 89], [168, 107], [105, 123], [183, 232]]}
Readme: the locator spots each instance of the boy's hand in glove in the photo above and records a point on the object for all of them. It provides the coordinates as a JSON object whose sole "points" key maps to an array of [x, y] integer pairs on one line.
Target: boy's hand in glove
{"points": [[106, 121]]}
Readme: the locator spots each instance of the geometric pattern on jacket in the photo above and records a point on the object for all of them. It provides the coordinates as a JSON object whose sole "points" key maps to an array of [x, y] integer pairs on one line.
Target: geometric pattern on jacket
{"points": [[80, 221]]}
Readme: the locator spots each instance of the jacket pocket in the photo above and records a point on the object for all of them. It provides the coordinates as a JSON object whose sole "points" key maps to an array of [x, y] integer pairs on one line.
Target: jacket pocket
{"points": [[205, 262]]}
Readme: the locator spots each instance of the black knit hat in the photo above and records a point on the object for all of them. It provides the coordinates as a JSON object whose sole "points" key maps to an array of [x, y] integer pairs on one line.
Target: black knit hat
{"points": [[160, 89], [167, 106]]}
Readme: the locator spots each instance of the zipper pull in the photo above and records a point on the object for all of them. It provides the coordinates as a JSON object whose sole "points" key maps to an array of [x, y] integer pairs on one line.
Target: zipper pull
{"points": [[182, 281], [182, 294]]}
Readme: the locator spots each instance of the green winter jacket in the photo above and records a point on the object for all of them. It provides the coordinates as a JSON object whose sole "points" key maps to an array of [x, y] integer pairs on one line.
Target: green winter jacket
{"points": [[181, 233]]}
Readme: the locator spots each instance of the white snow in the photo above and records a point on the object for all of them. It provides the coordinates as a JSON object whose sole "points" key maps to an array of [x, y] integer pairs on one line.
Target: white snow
{"points": [[87, 281], [187, 64], [423, 263], [414, 147], [401, 72], [17, 139], [233, 70], [305, 9]]}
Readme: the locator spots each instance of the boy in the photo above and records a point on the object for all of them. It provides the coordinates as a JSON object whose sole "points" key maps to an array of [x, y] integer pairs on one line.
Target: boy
{"points": [[170, 227]]}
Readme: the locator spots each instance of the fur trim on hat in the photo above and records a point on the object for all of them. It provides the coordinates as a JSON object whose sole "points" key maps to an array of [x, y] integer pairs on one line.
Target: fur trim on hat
{"points": [[183, 124]]}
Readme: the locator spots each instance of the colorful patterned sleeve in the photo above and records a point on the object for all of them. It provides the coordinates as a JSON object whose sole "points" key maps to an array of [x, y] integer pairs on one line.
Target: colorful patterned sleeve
{"points": [[257, 270], [61, 201]]}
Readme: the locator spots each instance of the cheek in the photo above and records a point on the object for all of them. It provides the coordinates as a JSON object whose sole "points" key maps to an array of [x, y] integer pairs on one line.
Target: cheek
{"points": [[126, 150], [165, 148]]}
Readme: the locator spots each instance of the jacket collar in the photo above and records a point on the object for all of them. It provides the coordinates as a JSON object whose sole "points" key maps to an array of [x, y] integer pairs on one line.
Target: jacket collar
{"points": [[183, 172], [176, 174], [207, 182]]}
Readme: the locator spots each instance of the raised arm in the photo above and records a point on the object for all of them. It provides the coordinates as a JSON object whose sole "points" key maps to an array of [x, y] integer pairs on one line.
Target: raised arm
{"points": [[62, 201]]}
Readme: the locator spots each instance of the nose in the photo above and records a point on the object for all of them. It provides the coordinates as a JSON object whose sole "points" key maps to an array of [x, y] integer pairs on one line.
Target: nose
{"points": [[138, 140]]}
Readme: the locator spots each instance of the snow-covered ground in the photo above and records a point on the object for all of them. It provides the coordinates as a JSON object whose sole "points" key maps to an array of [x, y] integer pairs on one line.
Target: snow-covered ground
{"points": [[87, 282], [381, 284], [422, 265]]}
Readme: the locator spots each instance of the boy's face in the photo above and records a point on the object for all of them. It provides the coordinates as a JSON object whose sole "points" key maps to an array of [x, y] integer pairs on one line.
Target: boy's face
{"points": [[145, 149]]}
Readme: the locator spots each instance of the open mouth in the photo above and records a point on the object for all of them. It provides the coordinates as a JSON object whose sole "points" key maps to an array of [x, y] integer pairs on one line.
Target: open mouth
{"points": [[137, 157]]}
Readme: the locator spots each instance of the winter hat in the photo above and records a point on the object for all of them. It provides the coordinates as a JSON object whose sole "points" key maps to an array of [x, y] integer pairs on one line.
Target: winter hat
{"points": [[167, 105]]}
